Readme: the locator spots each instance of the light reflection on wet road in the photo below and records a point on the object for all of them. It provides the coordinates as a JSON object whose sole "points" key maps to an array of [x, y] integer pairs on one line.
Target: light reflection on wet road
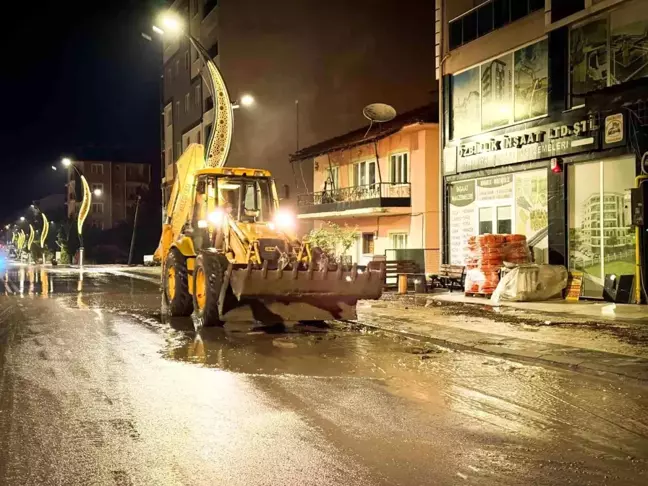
{"points": [[97, 388]]}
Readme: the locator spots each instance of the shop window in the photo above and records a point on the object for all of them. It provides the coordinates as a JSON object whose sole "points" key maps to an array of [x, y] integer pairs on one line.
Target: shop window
{"points": [[510, 89], [367, 243], [399, 168], [608, 50], [504, 221], [398, 241], [485, 220]]}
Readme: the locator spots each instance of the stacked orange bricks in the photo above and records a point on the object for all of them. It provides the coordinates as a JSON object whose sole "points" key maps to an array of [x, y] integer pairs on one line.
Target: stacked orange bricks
{"points": [[486, 255]]}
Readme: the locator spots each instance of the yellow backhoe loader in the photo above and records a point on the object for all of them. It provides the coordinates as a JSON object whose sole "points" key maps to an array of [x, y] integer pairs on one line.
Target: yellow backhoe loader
{"points": [[230, 254]]}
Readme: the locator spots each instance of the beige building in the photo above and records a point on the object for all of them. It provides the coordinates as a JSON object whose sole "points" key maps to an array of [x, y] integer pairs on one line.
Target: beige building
{"points": [[119, 185], [384, 182]]}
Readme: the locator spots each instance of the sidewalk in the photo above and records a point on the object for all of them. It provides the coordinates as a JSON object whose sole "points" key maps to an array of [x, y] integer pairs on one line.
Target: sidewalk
{"points": [[586, 336]]}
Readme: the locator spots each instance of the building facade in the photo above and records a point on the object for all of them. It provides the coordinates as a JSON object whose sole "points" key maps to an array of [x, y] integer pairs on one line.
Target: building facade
{"points": [[119, 185], [544, 127], [383, 181], [187, 105]]}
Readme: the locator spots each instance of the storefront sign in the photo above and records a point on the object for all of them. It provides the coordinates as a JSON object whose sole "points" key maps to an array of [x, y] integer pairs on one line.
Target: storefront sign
{"points": [[544, 142], [614, 131]]}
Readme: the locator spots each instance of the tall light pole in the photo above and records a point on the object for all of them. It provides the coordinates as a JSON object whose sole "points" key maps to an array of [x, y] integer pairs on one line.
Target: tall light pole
{"points": [[219, 141], [85, 203]]}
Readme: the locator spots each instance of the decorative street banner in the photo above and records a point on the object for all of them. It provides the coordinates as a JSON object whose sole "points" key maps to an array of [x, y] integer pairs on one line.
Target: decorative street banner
{"points": [[31, 237], [85, 204], [43, 237]]}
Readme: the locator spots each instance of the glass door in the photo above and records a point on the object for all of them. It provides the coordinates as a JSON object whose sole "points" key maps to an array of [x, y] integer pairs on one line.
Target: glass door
{"points": [[601, 240]]}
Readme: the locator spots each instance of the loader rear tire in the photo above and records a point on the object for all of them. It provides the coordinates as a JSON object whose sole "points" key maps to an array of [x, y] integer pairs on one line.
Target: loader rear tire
{"points": [[208, 280], [176, 287]]}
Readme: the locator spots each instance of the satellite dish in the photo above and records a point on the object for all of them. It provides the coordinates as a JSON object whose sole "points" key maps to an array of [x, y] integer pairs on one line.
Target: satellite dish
{"points": [[379, 112]]}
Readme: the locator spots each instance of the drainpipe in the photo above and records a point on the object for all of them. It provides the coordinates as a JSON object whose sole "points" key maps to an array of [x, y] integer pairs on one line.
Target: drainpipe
{"points": [[638, 276]]}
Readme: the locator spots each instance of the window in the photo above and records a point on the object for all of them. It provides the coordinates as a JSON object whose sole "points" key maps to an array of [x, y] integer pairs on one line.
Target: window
{"points": [[485, 220], [333, 177], [187, 141], [178, 150], [97, 186], [488, 16], [177, 110], [398, 241], [367, 243], [96, 169], [364, 173], [197, 97], [504, 222], [168, 118], [169, 75], [97, 208], [198, 137], [509, 89], [564, 8], [399, 168], [187, 102], [607, 50], [177, 67], [187, 64], [213, 51]]}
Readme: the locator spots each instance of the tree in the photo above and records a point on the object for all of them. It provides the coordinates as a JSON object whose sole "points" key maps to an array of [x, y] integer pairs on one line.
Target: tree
{"points": [[333, 240]]}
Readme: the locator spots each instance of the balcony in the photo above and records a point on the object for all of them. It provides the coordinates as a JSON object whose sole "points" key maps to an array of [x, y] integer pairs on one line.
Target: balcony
{"points": [[372, 198]]}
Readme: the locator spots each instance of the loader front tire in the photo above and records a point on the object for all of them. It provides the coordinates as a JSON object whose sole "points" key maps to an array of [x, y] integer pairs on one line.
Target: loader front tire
{"points": [[176, 287], [208, 280]]}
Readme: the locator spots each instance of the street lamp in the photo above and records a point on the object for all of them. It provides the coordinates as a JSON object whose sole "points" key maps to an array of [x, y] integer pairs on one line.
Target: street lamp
{"points": [[85, 204], [22, 218]]}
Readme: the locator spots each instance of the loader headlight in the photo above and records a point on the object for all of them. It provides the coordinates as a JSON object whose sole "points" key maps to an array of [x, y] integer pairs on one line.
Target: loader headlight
{"points": [[284, 220], [216, 217]]}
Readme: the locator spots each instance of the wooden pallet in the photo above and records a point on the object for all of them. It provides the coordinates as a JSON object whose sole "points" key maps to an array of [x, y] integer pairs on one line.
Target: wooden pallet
{"points": [[477, 294]]}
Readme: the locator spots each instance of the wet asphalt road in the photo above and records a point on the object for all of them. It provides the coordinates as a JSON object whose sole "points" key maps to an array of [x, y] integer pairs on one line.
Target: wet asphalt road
{"points": [[96, 387]]}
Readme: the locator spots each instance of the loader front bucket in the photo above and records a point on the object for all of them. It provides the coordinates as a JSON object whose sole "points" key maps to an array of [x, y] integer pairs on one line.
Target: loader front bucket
{"points": [[300, 295]]}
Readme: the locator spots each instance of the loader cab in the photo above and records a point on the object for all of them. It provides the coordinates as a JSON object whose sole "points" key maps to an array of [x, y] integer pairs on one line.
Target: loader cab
{"points": [[237, 197]]}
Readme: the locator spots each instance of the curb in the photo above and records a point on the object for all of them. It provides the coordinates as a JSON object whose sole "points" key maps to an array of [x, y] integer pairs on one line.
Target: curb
{"points": [[595, 368]]}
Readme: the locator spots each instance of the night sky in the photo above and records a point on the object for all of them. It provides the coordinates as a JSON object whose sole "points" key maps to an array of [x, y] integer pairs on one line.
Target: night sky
{"points": [[77, 80]]}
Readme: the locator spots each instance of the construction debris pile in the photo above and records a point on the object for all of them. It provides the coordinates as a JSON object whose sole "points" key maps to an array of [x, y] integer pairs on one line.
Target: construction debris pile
{"points": [[487, 254]]}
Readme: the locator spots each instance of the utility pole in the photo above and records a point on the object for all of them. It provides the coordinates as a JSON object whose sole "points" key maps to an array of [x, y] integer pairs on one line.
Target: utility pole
{"points": [[132, 245]]}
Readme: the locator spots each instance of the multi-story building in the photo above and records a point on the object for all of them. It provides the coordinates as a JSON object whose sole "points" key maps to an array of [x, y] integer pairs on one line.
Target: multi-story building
{"points": [[544, 117], [310, 66], [188, 107], [384, 181], [119, 185]]}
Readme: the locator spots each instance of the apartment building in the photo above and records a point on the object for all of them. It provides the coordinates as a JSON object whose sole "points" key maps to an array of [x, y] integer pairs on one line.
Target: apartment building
{"points": [[188, 108], [119, 185], [384, 181], [544, 117]]}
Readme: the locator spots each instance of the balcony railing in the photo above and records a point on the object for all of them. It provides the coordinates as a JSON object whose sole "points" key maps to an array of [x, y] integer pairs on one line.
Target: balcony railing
{"points": [[379, 191]]}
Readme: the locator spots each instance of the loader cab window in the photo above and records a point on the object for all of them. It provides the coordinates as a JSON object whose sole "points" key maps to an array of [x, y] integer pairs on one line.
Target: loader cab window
{"points": [[246, 199], [205, 187]]}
